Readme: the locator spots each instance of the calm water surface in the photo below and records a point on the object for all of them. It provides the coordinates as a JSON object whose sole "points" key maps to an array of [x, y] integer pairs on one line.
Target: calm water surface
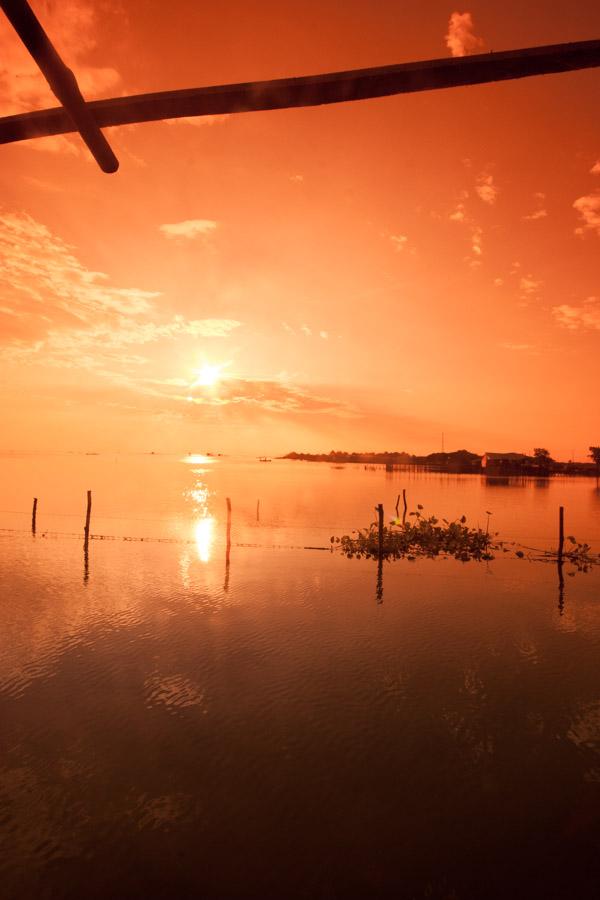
{"points": [[175, 727]]}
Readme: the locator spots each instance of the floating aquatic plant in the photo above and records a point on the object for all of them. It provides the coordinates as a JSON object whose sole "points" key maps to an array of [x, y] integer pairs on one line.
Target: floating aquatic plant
{"points": [[419, 536], [427, 536]]}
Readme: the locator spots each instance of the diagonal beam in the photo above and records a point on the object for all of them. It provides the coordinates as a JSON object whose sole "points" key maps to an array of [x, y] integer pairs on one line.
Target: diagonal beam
{"points": [[61, 80], [312, 90]]}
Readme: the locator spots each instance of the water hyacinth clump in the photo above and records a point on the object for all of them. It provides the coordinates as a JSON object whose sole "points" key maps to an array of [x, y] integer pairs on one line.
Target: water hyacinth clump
{"points": [[419, 536]]}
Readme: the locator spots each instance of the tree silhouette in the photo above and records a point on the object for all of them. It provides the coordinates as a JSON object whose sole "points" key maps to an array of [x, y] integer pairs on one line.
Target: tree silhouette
{"points": [[543, 458], [594, 455]]}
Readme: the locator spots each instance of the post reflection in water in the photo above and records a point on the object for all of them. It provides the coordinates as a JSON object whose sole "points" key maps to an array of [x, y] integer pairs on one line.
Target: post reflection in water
{"points": [[561, 589], [379, 588]]}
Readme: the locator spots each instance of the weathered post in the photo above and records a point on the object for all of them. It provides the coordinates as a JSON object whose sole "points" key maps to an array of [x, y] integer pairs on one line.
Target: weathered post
{"points": [[86, 539], [258, 510], [88, 513], [33, 515], [405, 506], [380, 518]]}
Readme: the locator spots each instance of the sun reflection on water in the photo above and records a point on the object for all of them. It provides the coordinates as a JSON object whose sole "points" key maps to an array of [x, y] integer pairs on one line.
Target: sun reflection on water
{"points": [[204, 532], [204, 522]]}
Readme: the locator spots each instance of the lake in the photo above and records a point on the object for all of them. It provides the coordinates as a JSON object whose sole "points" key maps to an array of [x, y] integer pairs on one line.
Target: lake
{"points": [[179, 723]]}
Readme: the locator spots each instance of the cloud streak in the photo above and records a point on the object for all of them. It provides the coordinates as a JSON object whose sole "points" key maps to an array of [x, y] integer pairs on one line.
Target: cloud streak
{"points": [[576, 318], [486, 189], [62, 314], [190, 229], [460, 39], [588, 208], [273, 396]]}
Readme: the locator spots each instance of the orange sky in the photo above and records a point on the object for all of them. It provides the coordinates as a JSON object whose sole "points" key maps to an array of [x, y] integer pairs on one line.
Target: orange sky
{"points": [[368, 274]]}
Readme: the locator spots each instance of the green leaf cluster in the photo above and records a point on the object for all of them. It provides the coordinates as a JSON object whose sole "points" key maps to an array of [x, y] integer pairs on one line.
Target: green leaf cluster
{"points": [[419, 536]]}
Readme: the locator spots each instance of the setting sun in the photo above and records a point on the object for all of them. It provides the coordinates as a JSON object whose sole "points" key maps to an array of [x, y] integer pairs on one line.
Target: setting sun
{"points": [[208, 375]]}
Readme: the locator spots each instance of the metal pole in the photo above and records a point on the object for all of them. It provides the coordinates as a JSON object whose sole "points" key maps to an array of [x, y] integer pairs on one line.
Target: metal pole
{"points": [[61, 80], [309, 90]]}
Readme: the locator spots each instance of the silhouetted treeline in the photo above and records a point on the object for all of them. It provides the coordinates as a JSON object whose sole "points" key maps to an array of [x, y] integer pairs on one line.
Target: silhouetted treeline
{"points": [[460, 461]]}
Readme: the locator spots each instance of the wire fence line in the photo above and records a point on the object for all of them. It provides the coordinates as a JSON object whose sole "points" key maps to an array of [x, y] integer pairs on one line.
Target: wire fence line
{"points": [[250, 520], [139, 539], [74, 535]]}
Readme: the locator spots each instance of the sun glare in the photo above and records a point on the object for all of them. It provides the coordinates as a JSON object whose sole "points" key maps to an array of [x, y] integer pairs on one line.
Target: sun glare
{"points": [[204, 537], [208, 375]]}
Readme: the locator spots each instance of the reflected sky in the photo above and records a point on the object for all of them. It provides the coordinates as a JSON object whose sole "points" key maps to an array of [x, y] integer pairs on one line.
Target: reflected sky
{"points": [[261, 706]]}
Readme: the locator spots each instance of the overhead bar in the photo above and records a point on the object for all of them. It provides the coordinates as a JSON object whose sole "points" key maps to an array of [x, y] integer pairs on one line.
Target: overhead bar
{"points": [[312, 90], [61, 80]]}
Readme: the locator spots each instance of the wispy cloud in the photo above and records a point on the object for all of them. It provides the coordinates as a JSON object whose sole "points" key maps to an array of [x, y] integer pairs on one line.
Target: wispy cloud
{"points": [[476, 238], [458, 214], [486, 189], [529, 286], [461, 216], [588, 208], [535, 215], [574, 318], [40, 274], [595, 170], [65, 315], [461, 39], [306, 331], [189, 229], [540, 208], [517, 348], [399, 242], [275, 396]]}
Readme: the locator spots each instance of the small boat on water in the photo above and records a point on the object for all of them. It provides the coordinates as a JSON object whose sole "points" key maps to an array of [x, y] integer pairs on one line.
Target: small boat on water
{"points": [[264, 459]]}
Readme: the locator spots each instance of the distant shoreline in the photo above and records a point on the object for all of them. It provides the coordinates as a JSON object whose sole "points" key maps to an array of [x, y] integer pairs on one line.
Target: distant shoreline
{"points": [[458, 462]]}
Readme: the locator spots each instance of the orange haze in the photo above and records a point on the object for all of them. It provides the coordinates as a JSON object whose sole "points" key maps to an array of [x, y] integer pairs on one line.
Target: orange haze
{"points": [[362, 276]]}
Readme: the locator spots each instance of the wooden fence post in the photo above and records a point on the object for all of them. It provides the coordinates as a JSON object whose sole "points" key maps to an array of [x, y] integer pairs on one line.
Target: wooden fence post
{"points": [[380, 518], [33, 515], [88, 513]]}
